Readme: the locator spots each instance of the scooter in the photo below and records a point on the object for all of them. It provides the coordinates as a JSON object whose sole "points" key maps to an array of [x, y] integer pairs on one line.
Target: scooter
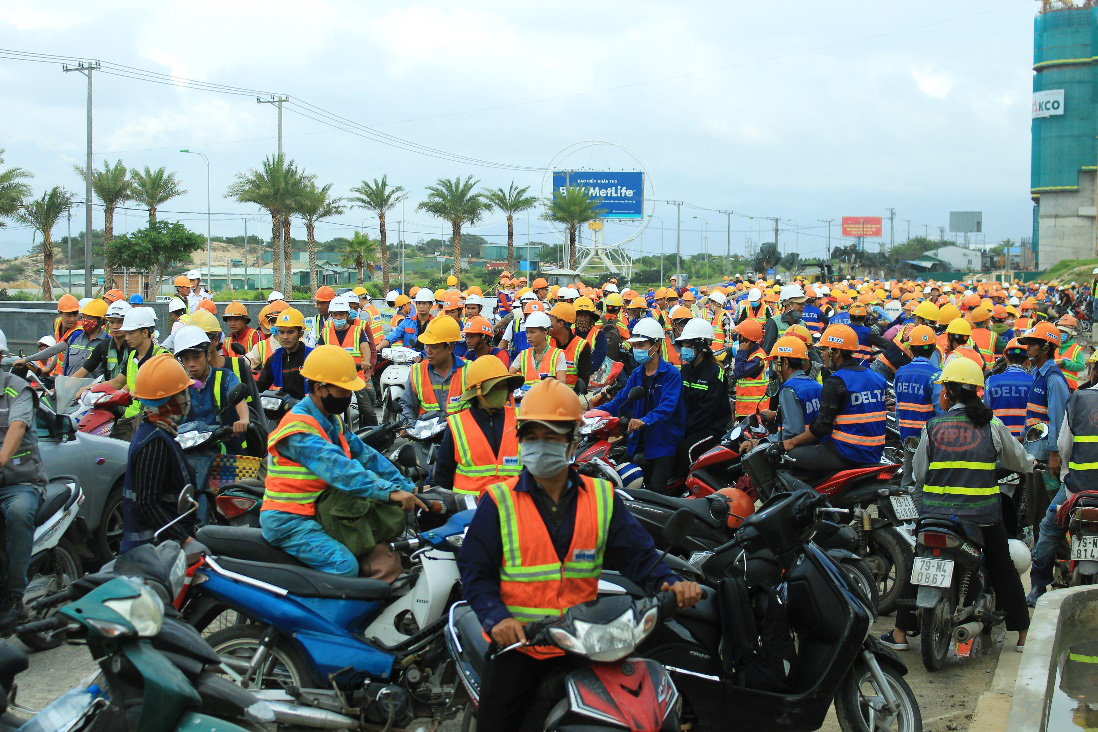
{"points": [[415, 457], [275, 404], [101, 406], [394, 377], [357, 651], [1079, 516]]}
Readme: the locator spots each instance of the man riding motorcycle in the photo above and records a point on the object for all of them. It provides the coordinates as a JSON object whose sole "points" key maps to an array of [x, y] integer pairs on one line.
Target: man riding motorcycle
{"points": [[211, 386]]}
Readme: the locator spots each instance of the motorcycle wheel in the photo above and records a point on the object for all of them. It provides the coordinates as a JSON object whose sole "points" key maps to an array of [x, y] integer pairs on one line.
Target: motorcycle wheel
{"points": [[469, 719], [284, 665], [389, 412], [859, 700], [108, 535], [63, 568], [890, 559], [936, 632], [863, 581]]}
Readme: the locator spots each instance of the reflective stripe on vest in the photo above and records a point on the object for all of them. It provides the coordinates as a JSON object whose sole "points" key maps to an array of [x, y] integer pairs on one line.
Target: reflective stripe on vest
{"points": [[592, 335], [914, 392], [960, 479], [1007, 395], [290, 486], [131, 377], [533, 373], [859, 429], [1037, 406], [427, 391], [720, 337], [670, 353], [571, 360], [751, 391], [1082, 416], [331, 337], [534, 582], [984, 341], [1069, 354], [477, 466]]}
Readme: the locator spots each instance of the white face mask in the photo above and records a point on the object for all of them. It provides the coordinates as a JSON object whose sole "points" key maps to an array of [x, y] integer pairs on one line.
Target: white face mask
{"points": [[544, 459]]}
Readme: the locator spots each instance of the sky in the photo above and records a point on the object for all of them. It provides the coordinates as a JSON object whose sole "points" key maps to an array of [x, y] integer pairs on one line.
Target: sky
{"points": [[804, 111]]}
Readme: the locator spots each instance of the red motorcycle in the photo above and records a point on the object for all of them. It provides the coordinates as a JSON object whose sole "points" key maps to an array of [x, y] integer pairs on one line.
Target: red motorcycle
{"points": [[1079, 516], [104, 405]]}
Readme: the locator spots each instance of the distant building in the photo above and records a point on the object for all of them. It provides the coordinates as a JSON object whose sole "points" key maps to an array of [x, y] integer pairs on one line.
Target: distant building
{"points": [[957, 258]]}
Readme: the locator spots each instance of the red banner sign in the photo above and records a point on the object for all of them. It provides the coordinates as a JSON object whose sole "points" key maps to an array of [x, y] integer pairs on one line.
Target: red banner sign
{"points": [[862, 225]]}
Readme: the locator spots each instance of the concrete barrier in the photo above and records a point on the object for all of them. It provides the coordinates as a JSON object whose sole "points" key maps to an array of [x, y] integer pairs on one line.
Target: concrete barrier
{"points": [[1037, 671]]}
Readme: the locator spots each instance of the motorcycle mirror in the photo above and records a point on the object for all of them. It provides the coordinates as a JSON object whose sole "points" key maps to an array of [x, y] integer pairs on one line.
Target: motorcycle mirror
{"points": [[678, 527], [238, 349], [581, 386], [1037, 432], [635, 393], [186, 499], [407, 457], [236, 395]]}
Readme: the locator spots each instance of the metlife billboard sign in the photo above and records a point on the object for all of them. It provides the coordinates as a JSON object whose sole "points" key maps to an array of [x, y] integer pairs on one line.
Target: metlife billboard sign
{"points": [[621, 192], [1048, 103]]}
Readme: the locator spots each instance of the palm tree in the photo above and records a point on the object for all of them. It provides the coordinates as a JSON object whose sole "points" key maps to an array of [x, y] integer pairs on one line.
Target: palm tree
{"points": [[112, 186], [512, 201], [572, 206], [151, 188], [13, 189], [42, 214], [316, 204], [454, 201], [270, 187], [360, 252], [297, 183], [380, 198]]}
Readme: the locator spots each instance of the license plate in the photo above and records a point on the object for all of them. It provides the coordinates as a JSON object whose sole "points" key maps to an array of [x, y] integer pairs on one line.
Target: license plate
{"points": [[1084, 548], [932, 572], [904, 506]]}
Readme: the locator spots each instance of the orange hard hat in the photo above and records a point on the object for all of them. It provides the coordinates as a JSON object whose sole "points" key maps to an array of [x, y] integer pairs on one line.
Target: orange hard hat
{"points": [[478, 325], [1043, 331], [979, 314], [999, 311], [236, 310], [740, 505], [539, 283], [788, 347], [324, 294], [1068, 321], [451, 302], [114, 295], [681, 313], [553, 404], [160, 377], [68, 304], [412, 292], [474, 290], [208, 305], [1014, 345], [922, 335], [564, 311], [970, 300], [636, 304], [534, 306], [276, 307], [857, 310], [182, 281], [840, 337], [752, 330]]}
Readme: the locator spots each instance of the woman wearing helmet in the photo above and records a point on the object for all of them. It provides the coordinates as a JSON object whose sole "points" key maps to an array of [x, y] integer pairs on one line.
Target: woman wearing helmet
{"points": [[156, 469], [542, 359], [704, 396], [547, 509], [968, 434]]}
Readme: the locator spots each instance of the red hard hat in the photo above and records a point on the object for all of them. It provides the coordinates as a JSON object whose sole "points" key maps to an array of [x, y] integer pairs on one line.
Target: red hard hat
{"points": [[740, 505]]}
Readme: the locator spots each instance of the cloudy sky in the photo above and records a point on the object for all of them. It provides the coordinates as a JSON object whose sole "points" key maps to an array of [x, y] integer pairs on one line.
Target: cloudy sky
{"points": [[801, 110]]}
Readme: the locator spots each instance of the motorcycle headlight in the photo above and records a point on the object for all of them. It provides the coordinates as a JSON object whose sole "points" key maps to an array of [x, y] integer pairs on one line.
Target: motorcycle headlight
{"points": [[145, 612], [271, 403], [455, 540], [611, 641], [190, 439], [178, 573]]}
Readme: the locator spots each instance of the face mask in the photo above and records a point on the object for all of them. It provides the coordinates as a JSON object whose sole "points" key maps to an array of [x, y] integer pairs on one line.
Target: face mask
{"points": [[642, 357], [494, 399], [274, 332], [339, 323], [544, 459], [335, 405], [688, 353], [353, 315], [89, 324]]}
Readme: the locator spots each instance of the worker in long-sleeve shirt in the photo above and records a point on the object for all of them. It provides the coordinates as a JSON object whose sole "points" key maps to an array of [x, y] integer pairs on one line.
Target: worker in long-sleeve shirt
{"points": [[311, 451]]}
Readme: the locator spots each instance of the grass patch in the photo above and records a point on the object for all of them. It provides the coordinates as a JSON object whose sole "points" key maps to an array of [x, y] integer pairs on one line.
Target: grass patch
{"points": [[1061, 269]]}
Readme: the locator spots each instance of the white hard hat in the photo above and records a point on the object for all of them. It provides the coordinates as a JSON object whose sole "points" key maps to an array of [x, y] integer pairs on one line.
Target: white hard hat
{"points": [[339, 304], [425, 295], [139, 318], [1094, 271], [189, 338], [527, 297], [947, 288], [823, 290], [718, 297], [118, 309], [647, 329], [926, 290], [84, 301], [47, 341], [474, 300], [791, 292], [176, 304], [567, 293], [538, 319], [194, 274], [1019, 554], [695, 329], [3, 342], [1014, 301], [275, 295], [610, 287], [754, 294], [391, 296]]}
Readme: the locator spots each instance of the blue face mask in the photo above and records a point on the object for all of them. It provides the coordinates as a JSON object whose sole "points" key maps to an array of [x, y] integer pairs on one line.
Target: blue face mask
{"points": [[339, 323], [274, 332], [688, 353], [353, 315], [642, 357]]}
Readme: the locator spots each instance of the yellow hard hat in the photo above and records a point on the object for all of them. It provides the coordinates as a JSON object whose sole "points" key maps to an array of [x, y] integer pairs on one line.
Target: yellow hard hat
{"points": [[948, 313], [484, 373], [440, 294], [451, 281], [290, 318], [205, 320], [332, 365], [959, 326], [95, 308], [927, 311], [401, 301], [962, 371], [360, 291], [160, 377], [442, 329], [614, 300], [584, 305]]}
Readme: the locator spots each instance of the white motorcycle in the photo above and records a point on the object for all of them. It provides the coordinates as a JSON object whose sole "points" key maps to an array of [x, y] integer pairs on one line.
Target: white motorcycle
{"points": [[394, 377]]}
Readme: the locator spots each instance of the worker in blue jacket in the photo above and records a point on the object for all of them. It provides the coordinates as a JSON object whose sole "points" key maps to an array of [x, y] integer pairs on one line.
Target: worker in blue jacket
{"points": [[658, 422]]}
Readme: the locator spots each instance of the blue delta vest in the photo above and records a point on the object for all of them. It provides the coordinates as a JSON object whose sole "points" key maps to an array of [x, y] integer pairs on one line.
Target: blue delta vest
{"points": [[807, 391], [812, 318], [135, 531], [841, 317], [859, 431], [862, 332], [1037, 406], [914, 401], [1007, 395]]}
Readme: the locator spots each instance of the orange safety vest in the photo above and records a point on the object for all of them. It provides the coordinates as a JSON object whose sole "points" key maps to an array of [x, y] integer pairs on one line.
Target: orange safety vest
{"points": [[376, 325], [969, 353], [571, 359], [531, 372], [750, 392], [758, 314], [1071, 376], [427, 392], [718, 331], [592, 335], [1021, 325], [533, 582], [331, 337], [984, 341], [290, 486], [477, 465], [59, 365], [670, 353]]}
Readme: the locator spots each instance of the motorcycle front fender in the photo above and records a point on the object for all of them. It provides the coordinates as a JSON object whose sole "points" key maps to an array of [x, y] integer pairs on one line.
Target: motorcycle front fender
{"points": [[884, 654], [166, 690], [928, 597], [206, 723]]}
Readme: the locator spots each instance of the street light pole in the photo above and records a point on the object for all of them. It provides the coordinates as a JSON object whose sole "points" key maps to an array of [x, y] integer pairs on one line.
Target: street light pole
{"points": [[209, 267], [678, 237], [828, 222]]}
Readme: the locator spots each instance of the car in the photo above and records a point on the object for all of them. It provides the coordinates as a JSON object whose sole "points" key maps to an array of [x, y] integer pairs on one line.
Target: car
{"points": [[98, 463]]}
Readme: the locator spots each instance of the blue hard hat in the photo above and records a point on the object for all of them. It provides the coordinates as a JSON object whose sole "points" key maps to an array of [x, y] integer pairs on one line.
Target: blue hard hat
{"points": [[136, 299]]}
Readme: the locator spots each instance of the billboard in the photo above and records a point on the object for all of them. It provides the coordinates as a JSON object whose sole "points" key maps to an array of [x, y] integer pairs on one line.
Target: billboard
{"points": [[621, 192], [862, 225], [1048, 103], [966, 222]]}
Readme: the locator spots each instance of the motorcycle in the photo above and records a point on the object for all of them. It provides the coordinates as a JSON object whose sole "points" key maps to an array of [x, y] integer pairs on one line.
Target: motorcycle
{"points": [[780, 635], [101, 406], [338, 645], [394, 378], [1079, 516], [275, 404], [415, 457], [614, 690]]}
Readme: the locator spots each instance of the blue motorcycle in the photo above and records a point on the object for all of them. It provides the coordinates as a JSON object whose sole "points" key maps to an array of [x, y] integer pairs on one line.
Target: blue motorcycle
{"points": [[361, 650]]}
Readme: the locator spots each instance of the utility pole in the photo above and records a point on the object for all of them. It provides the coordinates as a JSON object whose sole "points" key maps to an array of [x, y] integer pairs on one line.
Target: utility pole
{"points": [[277, 101], [775, 218], [829, 222], [941, 233], [68, 285], [908, 222], [86, 69], [246, 255], [891, 228], [678, 236], [728, 254]]}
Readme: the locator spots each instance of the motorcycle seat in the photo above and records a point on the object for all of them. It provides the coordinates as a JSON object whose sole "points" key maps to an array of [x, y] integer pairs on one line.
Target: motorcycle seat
{"points": [[305, 582], [239, 542], [53, 500], [698, 507], [971, 531]]}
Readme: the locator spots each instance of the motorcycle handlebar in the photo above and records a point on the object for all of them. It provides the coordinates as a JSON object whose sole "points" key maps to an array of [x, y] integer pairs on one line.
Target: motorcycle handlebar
{"points": [[56, 622]]}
